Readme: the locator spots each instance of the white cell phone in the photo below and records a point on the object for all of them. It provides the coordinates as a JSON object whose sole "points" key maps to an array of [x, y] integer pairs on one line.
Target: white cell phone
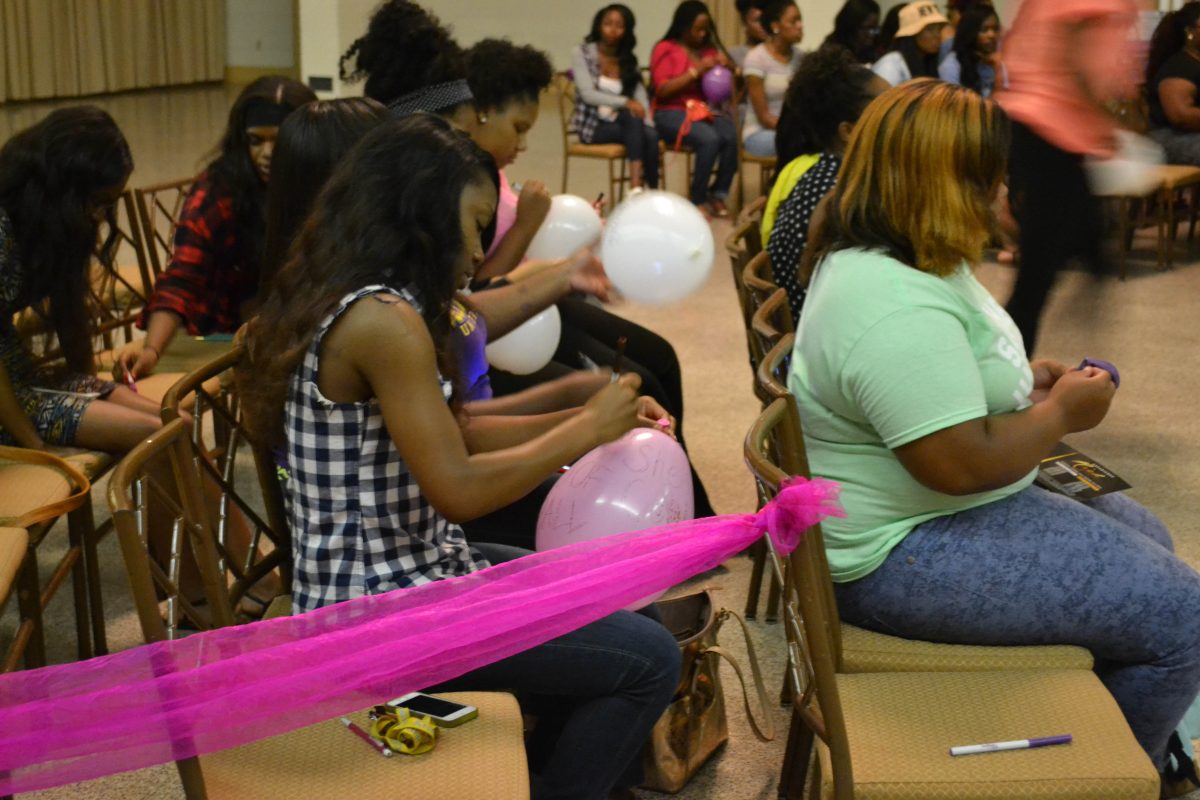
{"points": [[445, 713]]}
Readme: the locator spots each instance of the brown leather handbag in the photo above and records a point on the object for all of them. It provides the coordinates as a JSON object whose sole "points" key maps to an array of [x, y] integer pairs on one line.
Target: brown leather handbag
{"points": [[694, 726]]}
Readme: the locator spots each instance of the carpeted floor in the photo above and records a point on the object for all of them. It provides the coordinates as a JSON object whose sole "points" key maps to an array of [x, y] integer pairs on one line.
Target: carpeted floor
{"points": [[1148, 325]]}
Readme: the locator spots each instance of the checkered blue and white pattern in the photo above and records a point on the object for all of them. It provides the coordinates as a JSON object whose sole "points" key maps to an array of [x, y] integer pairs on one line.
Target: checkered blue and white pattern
{"points": [[360, 524]]}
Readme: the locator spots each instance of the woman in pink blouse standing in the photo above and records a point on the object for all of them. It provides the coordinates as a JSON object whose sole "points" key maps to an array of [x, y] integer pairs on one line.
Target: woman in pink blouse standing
{"points": [[687, 51]]}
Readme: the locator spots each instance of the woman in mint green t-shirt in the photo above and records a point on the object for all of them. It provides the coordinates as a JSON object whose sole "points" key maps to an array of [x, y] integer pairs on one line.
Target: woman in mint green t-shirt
{"points": [[915, 395]]}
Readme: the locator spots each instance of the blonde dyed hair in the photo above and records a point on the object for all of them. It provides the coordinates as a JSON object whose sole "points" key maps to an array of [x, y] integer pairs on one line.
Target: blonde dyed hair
{"points": [[919, 176]]}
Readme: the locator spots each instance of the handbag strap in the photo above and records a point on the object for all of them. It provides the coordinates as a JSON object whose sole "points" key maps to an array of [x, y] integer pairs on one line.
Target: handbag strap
{"points": [[83, 486], [765, 731]]}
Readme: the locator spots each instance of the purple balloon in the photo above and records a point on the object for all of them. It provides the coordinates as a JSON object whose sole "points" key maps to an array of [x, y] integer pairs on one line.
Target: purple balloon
{"points": [[717, 85], [1104, 365], [640, 481]]}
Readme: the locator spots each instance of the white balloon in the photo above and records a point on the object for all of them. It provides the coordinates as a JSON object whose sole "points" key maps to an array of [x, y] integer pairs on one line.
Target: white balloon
{"points": [[657, 248], [572, 223], [1132, 172], [530, 346]]}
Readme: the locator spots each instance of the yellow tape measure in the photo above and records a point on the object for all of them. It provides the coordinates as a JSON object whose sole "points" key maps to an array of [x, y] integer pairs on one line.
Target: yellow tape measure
{"points": [[402, 731]]}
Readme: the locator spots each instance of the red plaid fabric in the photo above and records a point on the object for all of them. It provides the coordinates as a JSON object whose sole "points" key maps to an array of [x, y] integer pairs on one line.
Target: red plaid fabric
{"points": [[209, 277]]}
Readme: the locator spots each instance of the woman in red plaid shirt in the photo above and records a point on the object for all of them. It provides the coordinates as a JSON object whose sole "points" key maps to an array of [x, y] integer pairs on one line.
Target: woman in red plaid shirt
{"points": [[214, 268]]}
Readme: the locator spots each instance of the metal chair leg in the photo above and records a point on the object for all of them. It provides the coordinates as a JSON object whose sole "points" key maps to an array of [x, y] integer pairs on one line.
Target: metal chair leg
{"points": [[773, 599], [796, 760], [82, 520], [758, 552]]}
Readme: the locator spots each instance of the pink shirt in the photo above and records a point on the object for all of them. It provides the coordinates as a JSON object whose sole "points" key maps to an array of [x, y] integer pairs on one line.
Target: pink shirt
{"points": [[670, 60], [1043, 90], [506, 213]]}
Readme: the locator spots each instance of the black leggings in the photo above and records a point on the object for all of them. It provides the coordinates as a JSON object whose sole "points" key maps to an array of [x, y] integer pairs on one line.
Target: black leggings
{"points": [[1059, 219]]}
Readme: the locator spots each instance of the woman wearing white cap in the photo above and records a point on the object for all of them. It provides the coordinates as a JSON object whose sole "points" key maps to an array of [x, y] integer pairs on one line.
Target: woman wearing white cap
{"points": [[914, 52]]}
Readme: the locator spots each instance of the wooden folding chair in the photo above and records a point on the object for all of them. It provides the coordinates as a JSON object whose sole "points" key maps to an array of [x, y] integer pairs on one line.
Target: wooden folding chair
{"points": [[159, 207], [208, 394], [36, 490], [484, 758], [766, 167], [887, 735], [614, 154], [738, 248], [759, 286], [770, 323]]}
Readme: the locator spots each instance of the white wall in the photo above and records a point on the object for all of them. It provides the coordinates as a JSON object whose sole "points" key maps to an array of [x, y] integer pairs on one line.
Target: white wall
{"points": [[259, 33], [328, 27]]}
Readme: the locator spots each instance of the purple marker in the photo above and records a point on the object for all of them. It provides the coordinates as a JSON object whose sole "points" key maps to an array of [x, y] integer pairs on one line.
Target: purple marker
{"points": [[1104, 365], [1017, 744]]}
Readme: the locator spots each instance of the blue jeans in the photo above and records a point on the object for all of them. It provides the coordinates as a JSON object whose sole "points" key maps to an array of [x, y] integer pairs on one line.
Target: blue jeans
{"points": [[597, 692], [760, 143], [712, 140], [1040, 568], [640, 140]]}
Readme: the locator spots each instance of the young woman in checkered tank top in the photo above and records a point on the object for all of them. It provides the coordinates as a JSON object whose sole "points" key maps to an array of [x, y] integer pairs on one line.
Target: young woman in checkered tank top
{"points": [[348, 369]]}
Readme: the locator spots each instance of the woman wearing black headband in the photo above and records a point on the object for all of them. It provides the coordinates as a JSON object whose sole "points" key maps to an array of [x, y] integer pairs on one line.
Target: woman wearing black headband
{"points": [[411, 64], [218, 239]]}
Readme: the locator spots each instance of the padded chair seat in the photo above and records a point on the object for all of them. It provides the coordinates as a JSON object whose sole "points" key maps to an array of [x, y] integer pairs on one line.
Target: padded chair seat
{"points": [[481, 758], [868, 651], [901, 726], [13, 544], [92, 463], [596, 150], [751, 158], [26, 487], [1177, 176]]}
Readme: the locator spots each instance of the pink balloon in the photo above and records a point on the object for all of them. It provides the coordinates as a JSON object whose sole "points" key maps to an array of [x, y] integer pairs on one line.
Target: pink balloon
{"points": [[717, 85], [640, 481]]}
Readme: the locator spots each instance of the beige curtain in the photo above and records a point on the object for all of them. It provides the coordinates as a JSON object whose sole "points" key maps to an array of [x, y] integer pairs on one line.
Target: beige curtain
{"points": [[65, 48], [727, 21]]}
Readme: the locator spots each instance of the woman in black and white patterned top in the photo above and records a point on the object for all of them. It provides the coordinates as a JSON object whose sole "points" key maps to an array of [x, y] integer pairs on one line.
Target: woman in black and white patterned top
{"points": [[824, 100], [348, 366]]}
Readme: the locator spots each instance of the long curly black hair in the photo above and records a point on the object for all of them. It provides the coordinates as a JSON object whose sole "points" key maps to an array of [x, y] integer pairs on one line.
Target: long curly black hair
{"points": [[626, 58], [499, 72], [405, 48], [829, 88], [388, 215], [57, 178], [234, 170]]}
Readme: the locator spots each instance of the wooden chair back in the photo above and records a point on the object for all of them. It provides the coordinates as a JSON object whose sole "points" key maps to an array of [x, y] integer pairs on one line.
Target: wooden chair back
{"points": [[220, 443], [159, 479], [772, 375], [737, 246], [810, 621], [772, 321], [758, 287], [159, 207]]}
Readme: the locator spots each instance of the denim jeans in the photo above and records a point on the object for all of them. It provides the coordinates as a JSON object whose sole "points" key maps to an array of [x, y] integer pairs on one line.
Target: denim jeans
{"points": [[760, 143], [712, 140], [640, 140], [597, 691], [1040, 568]]}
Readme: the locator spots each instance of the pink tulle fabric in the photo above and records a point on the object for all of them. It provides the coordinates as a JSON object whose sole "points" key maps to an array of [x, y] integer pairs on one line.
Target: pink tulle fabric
{"points": [[232, 686]]}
